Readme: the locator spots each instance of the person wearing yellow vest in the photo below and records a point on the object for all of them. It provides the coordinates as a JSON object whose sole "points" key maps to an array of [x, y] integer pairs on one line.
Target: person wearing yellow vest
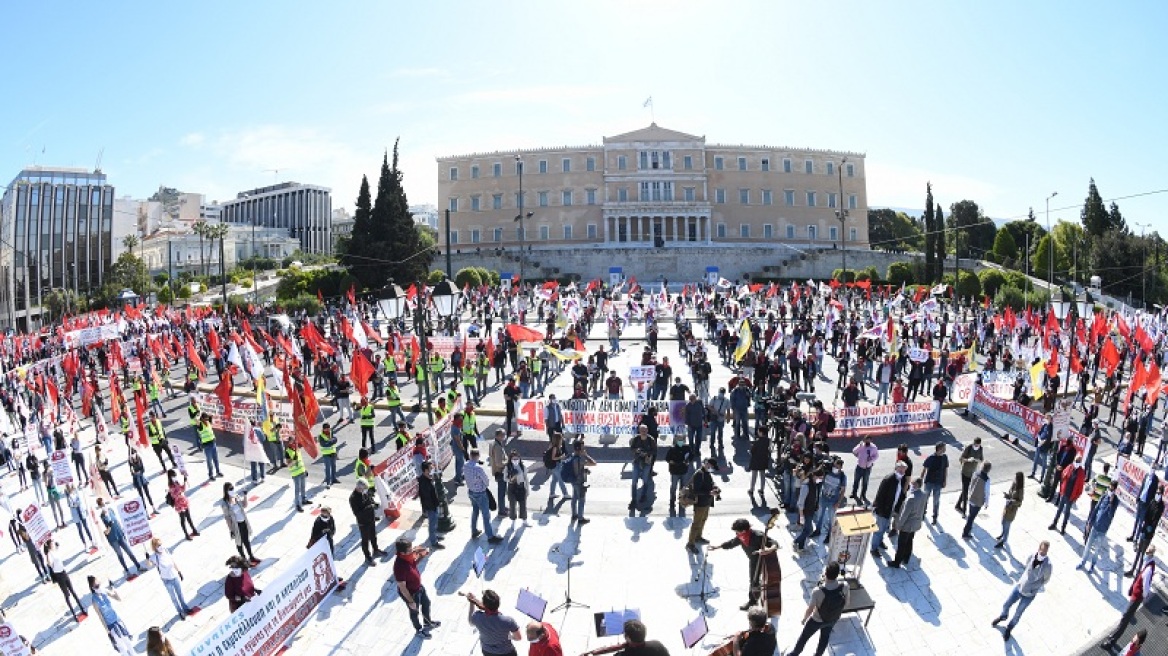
{"points": [[328, 454], [484, 369], [440, 410], [420, 374], [468, 382], [363, 468], [158, 441], [193, 412], [272, 444], [437, 366], [155, 404], [470, 428], [401, 438], [393, 400], [207, 442], [536, 365], [365, 411], [192, 378], [299, 474], [125, 423]]}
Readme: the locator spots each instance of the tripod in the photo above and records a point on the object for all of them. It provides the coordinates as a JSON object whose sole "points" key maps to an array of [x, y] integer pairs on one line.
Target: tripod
{"points": [[568, 602], [702, 593]]}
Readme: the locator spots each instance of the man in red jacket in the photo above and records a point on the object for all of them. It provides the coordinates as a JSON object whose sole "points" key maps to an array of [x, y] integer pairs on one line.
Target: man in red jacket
{"points": [[1139, 592], [1070, 487], [543, 640]]}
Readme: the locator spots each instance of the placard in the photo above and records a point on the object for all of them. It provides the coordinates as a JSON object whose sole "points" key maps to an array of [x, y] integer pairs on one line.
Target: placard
{"points": [[135, 521], [479, 562], [882, 419], [62, 474], [603, 417], [10, 642], [179, 460], [641, 379], [34, 522], [266, 624]]}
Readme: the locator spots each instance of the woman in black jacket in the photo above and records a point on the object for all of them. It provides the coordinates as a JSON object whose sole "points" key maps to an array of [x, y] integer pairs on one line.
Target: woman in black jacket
{"points": [[760, 463]]}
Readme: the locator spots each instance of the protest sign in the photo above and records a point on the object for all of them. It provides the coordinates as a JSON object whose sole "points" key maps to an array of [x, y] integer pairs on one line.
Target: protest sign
{"points": [[34, 521], [602, 417], [1016, 419], [62, 475], [11, 643], [242, 409], [135, 521], [179, 461], [397, 475], [998, 383], [641, 379], [266, 624], [882, 419], [1130, 472]]}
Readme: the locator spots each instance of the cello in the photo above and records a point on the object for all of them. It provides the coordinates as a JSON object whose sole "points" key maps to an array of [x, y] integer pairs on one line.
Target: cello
{"points": [[769, 573]]}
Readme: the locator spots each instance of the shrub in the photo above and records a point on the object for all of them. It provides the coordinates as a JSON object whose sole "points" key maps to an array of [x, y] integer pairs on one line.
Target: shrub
{"points": [[991, 281], [468, 276], [1017, 280], [900, 273], [1010, 297], [305, 302], [838, 274], [436, 276]]}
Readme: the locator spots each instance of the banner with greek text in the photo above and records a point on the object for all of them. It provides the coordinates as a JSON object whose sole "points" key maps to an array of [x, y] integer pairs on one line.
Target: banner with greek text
{"points": [[998, 383], [1130, 472], [266, 624], [602, 417], [883, 419], [242, 409], [135, 521], [397, 475], [1015, 418]]}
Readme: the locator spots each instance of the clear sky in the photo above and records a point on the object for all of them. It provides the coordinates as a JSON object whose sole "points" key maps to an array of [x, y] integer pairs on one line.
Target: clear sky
{"points": [[998, 102]]}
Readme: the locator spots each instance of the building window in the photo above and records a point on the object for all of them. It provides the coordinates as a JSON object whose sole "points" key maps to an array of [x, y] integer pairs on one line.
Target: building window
{"points": [[454, 173], [453, 237], [852, 234], [744, 230], [545, 233], [717, 163], [744, 196], [851, 201], [833, 233], [741, 163], [666, 160], [474, 203], [590, 164], [592, 231], [644, 193], [497, 169], [790, 231], [667, 191], [474, 172], [453, 204], [590, 196], [689, 194], [543, 199], [687, 162], [498, 236], [721, 231], [518, 167], [831, 199], [543, 166], [622, 195], [766, 164], [566, 198], [789, 197], [719, 196], [811, 199], [622, 163], [644, 160], [830, 168], [766, 197], [850, 169], [786, 166], [519, 199], [566, 165], [767, 231], [808, 166], [567, 232], [475, 236], [812, 232], [497, 201]]}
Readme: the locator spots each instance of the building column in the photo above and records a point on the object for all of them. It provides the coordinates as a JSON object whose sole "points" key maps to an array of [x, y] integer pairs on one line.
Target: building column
{"points": [[709, 229], [606, 222], [653, 230], [677, 228]]}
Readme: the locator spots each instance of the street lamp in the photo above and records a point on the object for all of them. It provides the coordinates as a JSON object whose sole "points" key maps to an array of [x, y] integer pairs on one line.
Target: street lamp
{"points": [[1050, 256], [255, 287], [842, 215], [1144, 262], [519, 217]]}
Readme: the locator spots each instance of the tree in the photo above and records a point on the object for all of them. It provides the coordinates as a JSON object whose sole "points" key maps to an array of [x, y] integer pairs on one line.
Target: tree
{"points": [[1019, 231], [930, 228], [1096, 220], [200, 229], [1005, 248], [899, 273], [469, 275], [939, 244], [991, 279], [130, 242], [1116, 219], [1069, 241], [977, 233], [1119, 259], [165, 295], [893, 231], [386, 243]]}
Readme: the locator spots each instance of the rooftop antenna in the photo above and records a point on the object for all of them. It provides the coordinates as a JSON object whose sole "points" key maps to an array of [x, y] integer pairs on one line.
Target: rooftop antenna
{"points": [[275, 174], [97, 166]]}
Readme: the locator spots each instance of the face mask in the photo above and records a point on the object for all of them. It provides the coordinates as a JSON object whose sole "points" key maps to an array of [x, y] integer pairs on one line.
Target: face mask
{"points": [[514, 460], [235, 571]]}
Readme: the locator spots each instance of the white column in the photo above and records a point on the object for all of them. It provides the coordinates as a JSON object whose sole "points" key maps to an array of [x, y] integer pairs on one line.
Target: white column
{"points": [[677, 228], [606, 221], [709, 229], [653, 230]]}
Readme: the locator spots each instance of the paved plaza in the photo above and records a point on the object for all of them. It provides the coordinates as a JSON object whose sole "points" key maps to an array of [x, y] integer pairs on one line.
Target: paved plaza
{"points": [[942, 603]]}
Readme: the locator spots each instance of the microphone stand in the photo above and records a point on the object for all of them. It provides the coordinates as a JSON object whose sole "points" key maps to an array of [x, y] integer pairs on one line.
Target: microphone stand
{"points": [[704, 577], [568, 602]]}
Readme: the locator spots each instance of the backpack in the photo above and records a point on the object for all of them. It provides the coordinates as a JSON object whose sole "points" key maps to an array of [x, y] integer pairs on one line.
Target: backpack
{"points": [[829, 423], [548, 460], [832, 606], [568, 471]]}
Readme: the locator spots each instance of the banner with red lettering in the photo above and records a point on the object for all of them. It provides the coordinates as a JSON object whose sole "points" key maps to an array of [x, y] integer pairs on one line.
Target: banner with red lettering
{"points": [[1130, 472], [397, 475], [242, 409], [883, 419], [1016, 419], [605, 417]]}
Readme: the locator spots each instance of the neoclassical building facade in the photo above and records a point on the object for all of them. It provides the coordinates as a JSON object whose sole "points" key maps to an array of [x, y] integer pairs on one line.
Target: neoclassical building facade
{"points": [[657, 188]]}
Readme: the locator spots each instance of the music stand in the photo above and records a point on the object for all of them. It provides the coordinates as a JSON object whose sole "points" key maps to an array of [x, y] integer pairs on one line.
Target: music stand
{"points": [[568, 601], [702, 593], [693, 632]]}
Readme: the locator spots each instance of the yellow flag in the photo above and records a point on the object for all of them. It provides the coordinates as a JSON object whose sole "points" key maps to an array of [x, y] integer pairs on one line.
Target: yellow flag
{"points": [[564, 355], [745, 339], [973, 356], [1036, 373]]}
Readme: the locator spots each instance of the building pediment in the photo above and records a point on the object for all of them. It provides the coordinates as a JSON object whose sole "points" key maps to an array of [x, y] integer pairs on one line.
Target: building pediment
{"points": [[653, 133]]}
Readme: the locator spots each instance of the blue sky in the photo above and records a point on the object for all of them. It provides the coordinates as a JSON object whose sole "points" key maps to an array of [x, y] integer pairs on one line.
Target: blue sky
{"points": [[998, 102]]}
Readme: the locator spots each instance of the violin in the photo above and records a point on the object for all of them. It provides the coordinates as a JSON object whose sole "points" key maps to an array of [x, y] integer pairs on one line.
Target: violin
{"points": [[475, 602], [728, 648]]}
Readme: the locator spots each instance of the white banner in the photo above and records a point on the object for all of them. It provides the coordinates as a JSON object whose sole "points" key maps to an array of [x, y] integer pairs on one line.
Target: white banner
{"points": [[62, 475], [266, 624], [135, 521], [882, 419], [242, 409], [10, 642], [34, 521], [179, 461], [641, 378]]}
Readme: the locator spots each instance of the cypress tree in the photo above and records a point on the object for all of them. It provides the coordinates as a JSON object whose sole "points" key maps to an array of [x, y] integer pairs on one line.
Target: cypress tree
{"points": [[929, 228], [1096, 220]]}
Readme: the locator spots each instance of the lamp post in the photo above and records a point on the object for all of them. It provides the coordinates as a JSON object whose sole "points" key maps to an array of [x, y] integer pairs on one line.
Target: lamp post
{"points": [[1144, 262], [842, 215], [255, 286], [519, 218], [1049, 256]]}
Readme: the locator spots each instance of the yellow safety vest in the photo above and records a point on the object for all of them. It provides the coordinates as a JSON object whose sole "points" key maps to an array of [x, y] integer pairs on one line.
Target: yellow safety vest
{"points": [[364, 472], [469, 422], [324, 449], [402, 439], [295, 462], [439, 412], [437, 364], [393, 396], [468, 376], [206, 435], [271, 432], [154, 429], [152, 389], [193, 411], [367, 415]]}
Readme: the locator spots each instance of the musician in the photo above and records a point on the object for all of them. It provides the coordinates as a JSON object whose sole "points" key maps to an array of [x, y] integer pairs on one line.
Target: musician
{"points": [[636, 644], [496, 631], [760, 639], [543, 640], [755, 544]]}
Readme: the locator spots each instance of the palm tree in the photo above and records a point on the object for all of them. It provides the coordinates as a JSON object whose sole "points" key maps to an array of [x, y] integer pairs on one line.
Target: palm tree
{"points": [[130, 242], [218, 231], [200, 229]]}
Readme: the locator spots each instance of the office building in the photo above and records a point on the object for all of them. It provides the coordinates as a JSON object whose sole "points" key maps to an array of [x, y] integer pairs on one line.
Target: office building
{"points": [[656, 187], [177, 252], [57, 229], [304, 211]]}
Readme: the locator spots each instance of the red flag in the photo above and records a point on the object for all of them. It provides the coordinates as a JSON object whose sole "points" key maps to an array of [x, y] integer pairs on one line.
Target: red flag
{"points": [[1052, 365], [116, 399], [1076, 364], [352, 294], [361, 371], [303, 424], [214, 343], [920, 293], [1143, 340], [579, 344], [140, 417], [223, 391], [1109, 358], [772, 290], [1121, 325], [985, 302], [319, 297], [196, 361], [1009, 318], [411, 293], [1139, 377], [1098, 327], [1153, 384], [523, 333], [86, 397], [371, 334]]}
